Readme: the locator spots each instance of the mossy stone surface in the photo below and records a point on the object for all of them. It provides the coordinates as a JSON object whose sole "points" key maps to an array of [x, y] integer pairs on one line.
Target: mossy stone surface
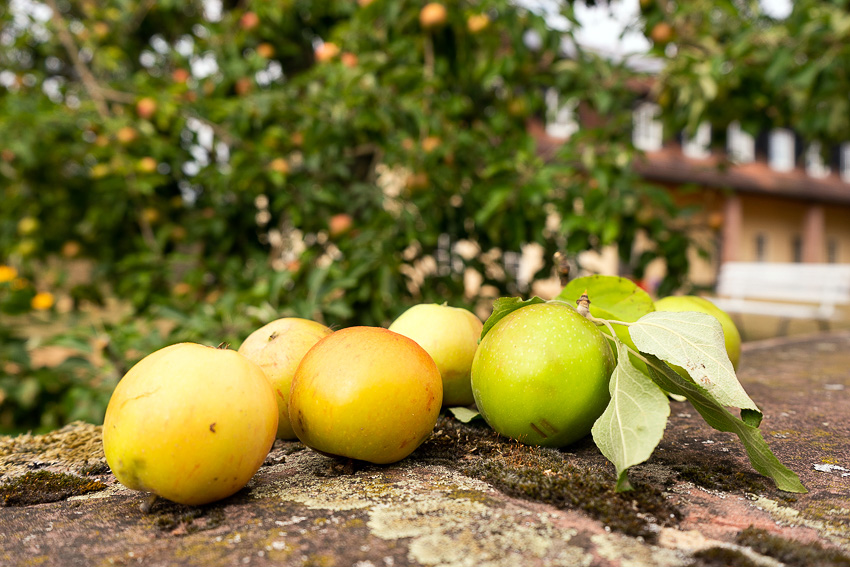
{"points": [[470, 497]]}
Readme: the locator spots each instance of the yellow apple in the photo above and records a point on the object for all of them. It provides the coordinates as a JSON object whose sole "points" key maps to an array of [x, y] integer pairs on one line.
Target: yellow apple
{"points": [[278, 348], [190, 423], [146, 164], [265, 50], [365, 393], [477, 23], [433, 15], [431, 143], [450, 336], [126, 135], [662, 32], [279, 165]]}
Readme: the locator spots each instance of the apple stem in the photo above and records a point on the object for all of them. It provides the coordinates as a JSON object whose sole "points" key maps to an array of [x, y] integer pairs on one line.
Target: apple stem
{"points": [[613, 338], [147, 504], [607, 321], [583, 305]]}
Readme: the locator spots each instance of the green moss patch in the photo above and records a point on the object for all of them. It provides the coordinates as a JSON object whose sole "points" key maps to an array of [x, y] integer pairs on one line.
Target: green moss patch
{"points": [[792, 553], [722, 475], [43, 486], [177, 519], [550, 476], [722, 557]]}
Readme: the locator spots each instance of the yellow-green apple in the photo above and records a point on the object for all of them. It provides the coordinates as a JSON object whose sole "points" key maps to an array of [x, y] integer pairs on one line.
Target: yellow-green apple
{"points": [[278, 348], [146, 164], [126, 135], [265, 50], [279, 165], [365, 393], [432, 15], [450, 336], [28, 225], [476, 23], [540, 375], [731, 336], [190, 423]]}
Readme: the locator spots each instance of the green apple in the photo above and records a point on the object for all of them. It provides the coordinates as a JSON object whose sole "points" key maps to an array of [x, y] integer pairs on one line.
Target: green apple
{"points": [[731, 336], [540, 375], [365, 393], [450, 335], [278, 348], [190, 423]]}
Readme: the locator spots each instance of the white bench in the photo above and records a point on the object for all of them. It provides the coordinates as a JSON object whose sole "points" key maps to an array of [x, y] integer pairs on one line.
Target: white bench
{"points": [[785, 290]]}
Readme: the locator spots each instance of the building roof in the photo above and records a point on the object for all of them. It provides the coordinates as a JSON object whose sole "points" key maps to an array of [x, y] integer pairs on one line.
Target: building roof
{"points": [[670, 165]]}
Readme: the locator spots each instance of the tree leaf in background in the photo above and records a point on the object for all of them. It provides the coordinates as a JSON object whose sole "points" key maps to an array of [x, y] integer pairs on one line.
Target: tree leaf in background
{"points": [[634, 421]]}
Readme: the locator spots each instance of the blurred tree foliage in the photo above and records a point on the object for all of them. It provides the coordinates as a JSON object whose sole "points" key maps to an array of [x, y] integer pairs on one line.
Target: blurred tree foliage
{"points": [[218, 165], [728, 60]]}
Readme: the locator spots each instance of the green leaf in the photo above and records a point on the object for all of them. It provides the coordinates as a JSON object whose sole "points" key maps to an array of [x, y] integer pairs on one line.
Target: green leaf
{"points": [[693, 341], [634, 421], [464, 414], [611, 297], [505, 306], [718, 417]]}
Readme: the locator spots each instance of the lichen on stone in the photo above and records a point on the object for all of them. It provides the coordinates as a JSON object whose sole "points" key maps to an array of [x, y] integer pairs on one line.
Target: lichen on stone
{"points": [[833, 530]]}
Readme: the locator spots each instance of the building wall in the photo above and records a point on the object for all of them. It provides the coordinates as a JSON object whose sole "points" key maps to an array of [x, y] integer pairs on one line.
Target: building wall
{"points": [[778, 223], [837, 220], [774, 223]]}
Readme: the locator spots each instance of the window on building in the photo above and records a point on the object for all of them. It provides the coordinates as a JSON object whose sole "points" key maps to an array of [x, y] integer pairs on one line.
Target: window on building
{"points": [[781, 150], [832, 251], [797, 248], [844, 160], [560, 115], [740, 145], [698, 146], [815, 164], [761, 248], [646, 127]]}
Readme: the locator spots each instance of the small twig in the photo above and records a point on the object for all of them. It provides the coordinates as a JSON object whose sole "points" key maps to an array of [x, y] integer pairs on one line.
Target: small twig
{"points": [[117, 96], [147, 504], [89, 82], [428, 72]]}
